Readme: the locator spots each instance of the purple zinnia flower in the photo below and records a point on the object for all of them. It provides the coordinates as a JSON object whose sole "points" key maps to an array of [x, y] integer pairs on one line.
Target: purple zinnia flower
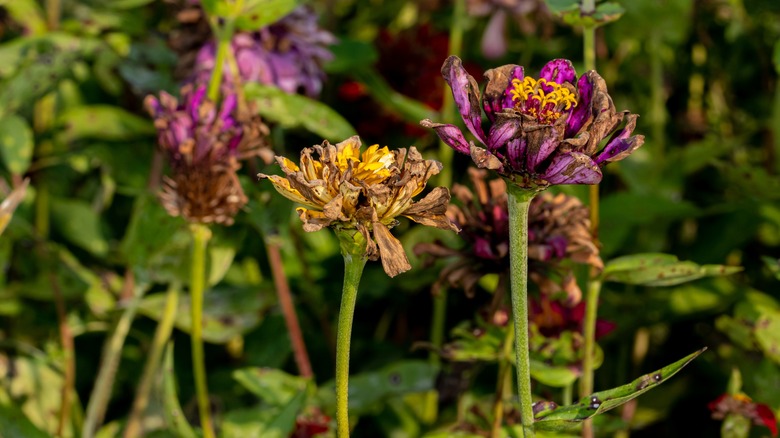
{"points": [[203, 142], [542, 131], [288, 54]]}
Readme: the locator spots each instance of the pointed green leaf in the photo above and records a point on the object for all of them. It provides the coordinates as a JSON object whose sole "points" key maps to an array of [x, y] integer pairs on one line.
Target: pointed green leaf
{"points": [[278, 422], [565, 417], [16, 143], [660, 270], [273, 386], [173, 413], [260, 13], [103, 122], [295, 111], [78, 222]]}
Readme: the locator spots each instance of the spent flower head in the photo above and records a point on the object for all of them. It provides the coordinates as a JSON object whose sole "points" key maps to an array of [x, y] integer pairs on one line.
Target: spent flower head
{"points": [[542, 131], [558, 230], [344, 189], [203, 142], [288, 54], [743, 406]]}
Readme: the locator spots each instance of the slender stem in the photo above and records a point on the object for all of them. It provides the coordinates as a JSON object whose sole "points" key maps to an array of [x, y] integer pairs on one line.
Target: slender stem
{"points": [[504, 381], [589, 335], [104, 381], [354, 261], [288, 308], [200, 235], [69, 349], [219, 64], [519, 201], [53, 12], [448, 103], [161, 337], [568, 394], [438, 322]]}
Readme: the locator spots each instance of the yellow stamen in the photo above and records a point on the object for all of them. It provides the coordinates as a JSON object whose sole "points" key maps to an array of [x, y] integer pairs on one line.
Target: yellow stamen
{"points": [[550, 105]]}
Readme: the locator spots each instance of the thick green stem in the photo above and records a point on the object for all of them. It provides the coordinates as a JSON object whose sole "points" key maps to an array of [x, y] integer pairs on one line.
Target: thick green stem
{"points": [[589, 335], [519, 201], [201, 235], [448, 104], [161, 337], [104, 381], [353, 250]]}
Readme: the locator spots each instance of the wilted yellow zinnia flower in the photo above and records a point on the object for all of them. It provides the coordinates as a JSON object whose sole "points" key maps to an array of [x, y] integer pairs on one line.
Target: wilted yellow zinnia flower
{"points": [[345, 189]]}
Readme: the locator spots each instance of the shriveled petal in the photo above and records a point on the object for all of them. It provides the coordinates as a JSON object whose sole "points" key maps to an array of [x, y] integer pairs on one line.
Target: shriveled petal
{"points": [[394, 260], [465, 91], [542, 142], [449, 134], [505, 129], [497, 98], [620, 145], [559, 71], [282, 185], [431, 210], [572, 168], [484, 159], [313, 220], [581, 116], [494, 42]]}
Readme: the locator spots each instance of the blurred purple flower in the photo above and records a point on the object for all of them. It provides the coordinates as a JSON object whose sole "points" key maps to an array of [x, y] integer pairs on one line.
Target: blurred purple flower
{"points": [[494, 39], [543, 131], [203, 143], [288, 54]]}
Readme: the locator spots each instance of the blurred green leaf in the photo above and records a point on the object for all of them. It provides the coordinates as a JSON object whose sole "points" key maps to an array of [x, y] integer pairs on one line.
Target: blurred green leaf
{"points": [[368, 389], [276, 422], [273, 386], [104, 122], [565, 417], [604, 13], [266, 346], [406, 107], [174, 416], [79, 223], [227, 312], [776, 56], [660, 270], [16, 143], [555, 376], [559, 6], [260, 13], [127, 4], [773, 264], [767, 332], [14, 424], [27, 13], [350, 55], [293, 111]]}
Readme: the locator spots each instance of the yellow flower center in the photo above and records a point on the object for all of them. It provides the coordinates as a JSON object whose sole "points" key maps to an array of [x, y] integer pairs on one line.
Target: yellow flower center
{"points": [[372, 167], [535, 98]]}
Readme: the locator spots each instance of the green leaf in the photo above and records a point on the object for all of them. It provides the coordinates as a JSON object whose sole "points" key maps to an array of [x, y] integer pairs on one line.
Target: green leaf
{"points": [[174, 416], [565, 417], [660, 270], [127, 4], [767, 332], [79, 223], [555, 376], [227, 312], [776, 56], [350, 55], [264, 421], [27, 13], [406, 107], [773, 265], [104, 122], [260, 13], [273, 386], [371, 388], [14, 424], [16, 143], [559, 6], [294, 111]]}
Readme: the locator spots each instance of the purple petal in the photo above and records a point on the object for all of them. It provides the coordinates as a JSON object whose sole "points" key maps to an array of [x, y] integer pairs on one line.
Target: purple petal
{"points": [[559, 71], [502, 131], [548, 145], [517, 73], [620, 145], [572, 168], [195, 101], [449, 134], [466, 94], [494, 39], [558, 244], [581, 114], [515, 150]]}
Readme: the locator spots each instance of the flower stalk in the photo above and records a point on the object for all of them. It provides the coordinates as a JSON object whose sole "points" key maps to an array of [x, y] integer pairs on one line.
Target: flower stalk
{"points": [[200, 235], [355, 259], [519, 202]]}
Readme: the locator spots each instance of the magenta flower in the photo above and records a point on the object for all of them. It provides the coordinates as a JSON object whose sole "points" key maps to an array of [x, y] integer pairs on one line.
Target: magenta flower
{"points": [[542, 131]]}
